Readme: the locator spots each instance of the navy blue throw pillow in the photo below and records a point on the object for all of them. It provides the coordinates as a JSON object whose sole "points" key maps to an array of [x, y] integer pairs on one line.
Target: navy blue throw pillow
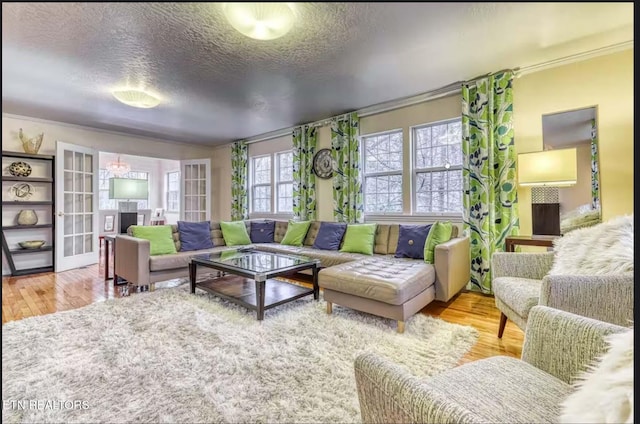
{"points": [[262, 232], [411, 241], [194, 235], [330, 235]]}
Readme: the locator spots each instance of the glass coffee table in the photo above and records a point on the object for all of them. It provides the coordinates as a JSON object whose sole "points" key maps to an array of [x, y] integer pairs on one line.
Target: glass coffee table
{"points": [[249, 277]]}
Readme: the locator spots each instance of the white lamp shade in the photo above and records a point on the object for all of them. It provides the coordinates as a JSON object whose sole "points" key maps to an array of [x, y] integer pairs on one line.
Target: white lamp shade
{"points": [[128, 189], [553, 168]]}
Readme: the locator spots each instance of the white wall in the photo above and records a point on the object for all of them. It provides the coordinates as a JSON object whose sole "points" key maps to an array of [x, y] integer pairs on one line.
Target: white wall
{"points": [[100, 140]]}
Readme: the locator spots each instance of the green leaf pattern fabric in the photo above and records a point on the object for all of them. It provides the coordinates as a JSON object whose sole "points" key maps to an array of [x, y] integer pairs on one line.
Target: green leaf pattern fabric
{"points": [[347, 187], [305, 140], [490, 200], [595, 177], [239, 172]]}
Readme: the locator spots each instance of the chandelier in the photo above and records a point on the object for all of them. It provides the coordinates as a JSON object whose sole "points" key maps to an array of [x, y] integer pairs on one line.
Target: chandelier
{"points": [[118, 168]]}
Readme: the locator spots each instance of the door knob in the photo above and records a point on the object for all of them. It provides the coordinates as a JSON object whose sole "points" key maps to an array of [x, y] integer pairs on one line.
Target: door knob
{"points": [[60, 213]]}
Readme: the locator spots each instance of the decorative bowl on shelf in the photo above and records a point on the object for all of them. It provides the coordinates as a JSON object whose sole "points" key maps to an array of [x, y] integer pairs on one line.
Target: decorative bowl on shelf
{"points": [[31, 244], [20, 169]]}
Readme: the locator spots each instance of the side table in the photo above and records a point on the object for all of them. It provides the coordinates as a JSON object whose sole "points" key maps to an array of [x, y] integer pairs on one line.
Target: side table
{"points": [[110, 242], [544, 241]]}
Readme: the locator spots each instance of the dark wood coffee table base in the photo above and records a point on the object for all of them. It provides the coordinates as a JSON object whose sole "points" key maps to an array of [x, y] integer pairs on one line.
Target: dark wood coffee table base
{"points": [[254, 295]]}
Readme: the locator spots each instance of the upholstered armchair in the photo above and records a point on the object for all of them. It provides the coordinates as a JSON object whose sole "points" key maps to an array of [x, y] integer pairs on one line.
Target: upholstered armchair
{"points": [[558, 346], [522, 280]]}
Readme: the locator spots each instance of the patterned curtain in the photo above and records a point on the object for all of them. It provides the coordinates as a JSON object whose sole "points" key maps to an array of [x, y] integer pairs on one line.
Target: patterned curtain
{"points": [[490, 200], [239, 172], [304, 180], [347, 187], [595, 177]]}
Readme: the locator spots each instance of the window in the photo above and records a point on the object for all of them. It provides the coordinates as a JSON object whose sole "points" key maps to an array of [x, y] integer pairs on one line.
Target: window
{"points": [[173, 191], [382, 172], [103, 189], [284, 182], [261, 184], [437, 167], [269, 174]]}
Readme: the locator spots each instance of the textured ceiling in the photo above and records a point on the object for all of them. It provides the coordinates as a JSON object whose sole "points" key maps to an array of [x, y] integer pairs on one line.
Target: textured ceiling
{"points": [[59, 60]]}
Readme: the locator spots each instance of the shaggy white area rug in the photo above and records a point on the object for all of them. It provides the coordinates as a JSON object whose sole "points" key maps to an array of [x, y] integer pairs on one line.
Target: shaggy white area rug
{"points": [[170, 356], [606, 248]]}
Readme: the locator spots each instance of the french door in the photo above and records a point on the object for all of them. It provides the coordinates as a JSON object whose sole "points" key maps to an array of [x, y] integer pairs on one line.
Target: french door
{"points": [[195, 190], [76, 206]]}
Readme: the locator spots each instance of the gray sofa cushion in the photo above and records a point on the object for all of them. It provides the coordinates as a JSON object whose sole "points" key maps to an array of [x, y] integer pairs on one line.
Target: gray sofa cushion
{"points": [[327, 257], [180, 259], [520, 294], [520, 392], [384, 280]]}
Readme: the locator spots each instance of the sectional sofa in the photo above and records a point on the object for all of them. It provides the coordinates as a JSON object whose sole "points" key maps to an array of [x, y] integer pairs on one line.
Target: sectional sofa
{"points": [[380, 284]]}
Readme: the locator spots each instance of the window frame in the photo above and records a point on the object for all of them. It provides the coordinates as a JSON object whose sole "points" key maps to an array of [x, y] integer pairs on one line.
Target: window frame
{"points": [[362, 142], [274, 185], [457, 216], [252, 185], [167, 178]]}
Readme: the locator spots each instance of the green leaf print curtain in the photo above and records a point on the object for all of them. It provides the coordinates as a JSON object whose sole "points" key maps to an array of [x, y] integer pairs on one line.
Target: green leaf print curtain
{"points": [[347, 187], [239, 172], [490, 201], [304, 180], [595, 178]]}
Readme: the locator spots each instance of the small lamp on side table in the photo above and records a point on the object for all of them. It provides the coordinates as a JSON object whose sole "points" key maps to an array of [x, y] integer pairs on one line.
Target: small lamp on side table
{"points": [[128, 189]]}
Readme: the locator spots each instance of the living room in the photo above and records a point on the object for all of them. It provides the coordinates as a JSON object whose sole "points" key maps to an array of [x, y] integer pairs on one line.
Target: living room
{"points": [[339, 121]]}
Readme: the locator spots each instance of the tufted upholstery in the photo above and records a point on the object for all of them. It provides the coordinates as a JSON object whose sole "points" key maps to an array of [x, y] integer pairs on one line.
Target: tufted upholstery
{"points": [[280, 231], [384, 280], [312, 233]]}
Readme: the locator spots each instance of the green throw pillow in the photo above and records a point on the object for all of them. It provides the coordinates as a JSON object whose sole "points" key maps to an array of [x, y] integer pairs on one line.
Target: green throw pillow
{"points": [[296, 232], [440, 232], [235, 233], [160, 238], [359, 238]]}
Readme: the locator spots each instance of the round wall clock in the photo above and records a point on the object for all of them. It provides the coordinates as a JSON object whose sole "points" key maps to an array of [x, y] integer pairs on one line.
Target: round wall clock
{"points": [[323, 164]]}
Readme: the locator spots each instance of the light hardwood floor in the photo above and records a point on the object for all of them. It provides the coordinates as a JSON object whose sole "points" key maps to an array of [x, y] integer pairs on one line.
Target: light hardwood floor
{"points": [[41, 294]]}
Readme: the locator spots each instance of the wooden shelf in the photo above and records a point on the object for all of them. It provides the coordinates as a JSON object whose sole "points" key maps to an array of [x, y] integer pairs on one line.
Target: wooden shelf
{"points": [[27, 179], [20, 227], [26, 155], [33, 270], [27, 203], [40, 249], [43, 263]]}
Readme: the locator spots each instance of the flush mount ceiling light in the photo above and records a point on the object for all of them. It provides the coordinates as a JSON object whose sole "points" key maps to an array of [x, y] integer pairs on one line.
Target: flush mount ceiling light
{"points": [[136, 98], [262, 21]]}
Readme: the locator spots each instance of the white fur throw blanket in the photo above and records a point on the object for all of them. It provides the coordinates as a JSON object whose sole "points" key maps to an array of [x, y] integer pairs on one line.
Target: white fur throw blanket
{"points": [[606, 248], [605, 393]]}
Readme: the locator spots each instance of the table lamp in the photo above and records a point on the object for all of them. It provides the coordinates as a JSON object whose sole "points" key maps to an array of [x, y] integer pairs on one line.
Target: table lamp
{"points": [[128, 189], [545, 172]]}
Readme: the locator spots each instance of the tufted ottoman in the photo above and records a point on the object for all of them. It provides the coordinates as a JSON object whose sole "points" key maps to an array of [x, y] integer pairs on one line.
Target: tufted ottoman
{"points": [[390, 288]]}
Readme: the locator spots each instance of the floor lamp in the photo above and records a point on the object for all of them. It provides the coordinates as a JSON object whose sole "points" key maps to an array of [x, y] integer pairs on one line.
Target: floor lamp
{"points": [[545, 172], [128, 189]]}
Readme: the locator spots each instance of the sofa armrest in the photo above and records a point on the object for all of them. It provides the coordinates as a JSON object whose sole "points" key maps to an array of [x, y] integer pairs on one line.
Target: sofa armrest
{"points": [[607, 298], [564, 344], [521, 265], [453, 267], [132, 259], [389, 394]]}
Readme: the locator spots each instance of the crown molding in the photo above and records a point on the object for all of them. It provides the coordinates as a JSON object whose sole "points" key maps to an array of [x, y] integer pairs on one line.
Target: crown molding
{"points": [[100, 130]]}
